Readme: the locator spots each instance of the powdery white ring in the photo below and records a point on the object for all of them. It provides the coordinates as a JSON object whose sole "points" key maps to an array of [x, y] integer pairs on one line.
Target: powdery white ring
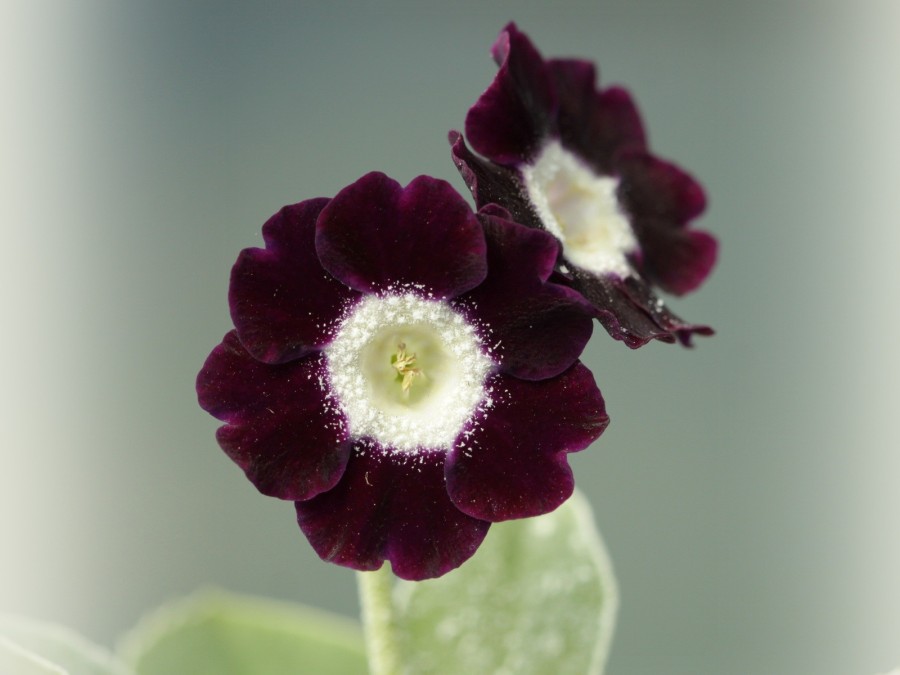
{"points": [[425, 410], [580, 209]]}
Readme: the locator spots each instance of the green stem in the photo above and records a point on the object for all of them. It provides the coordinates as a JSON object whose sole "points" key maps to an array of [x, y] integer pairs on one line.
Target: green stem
{"points": [[378, 622]]}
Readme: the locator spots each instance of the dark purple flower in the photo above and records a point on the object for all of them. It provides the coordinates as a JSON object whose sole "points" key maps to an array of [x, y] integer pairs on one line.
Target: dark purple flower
{"points": [[561, 155], [405, 371]]}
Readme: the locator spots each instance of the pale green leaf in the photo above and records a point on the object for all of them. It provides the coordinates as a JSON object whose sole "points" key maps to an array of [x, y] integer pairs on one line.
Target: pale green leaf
{"points": [[538, 598], [28, 646], [215, 633], [16, 660]]}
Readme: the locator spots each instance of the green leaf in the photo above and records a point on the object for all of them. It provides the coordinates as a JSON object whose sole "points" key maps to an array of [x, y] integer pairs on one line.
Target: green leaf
{"points": [[538, 597], [33, 647], [17, 660], [216, 633]]}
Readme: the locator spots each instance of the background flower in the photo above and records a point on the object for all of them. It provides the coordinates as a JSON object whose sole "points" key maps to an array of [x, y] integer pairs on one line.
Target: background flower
{"points": [[573, 159]]}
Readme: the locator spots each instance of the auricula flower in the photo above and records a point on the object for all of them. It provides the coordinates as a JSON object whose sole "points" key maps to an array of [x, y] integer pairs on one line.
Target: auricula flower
{"points": [[564, 156], [404, 370]]}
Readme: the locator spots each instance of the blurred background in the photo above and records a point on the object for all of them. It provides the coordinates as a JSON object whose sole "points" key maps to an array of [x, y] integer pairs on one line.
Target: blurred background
{"points": [[747, 489]]}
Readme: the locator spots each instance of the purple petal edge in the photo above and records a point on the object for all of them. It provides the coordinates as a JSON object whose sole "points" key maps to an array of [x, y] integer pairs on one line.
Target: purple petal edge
{"points": [[377, 236], [512, 117], [279, 427], [283, 303], [513, 465], [391, 506], [538, 328]]}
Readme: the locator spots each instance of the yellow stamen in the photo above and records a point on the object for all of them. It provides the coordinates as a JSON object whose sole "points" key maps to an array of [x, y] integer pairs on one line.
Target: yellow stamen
{"points": [[405, 365]]}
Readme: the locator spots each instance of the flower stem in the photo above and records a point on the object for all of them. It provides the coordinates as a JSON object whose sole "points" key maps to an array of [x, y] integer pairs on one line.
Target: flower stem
{"points": [[378, 622]]}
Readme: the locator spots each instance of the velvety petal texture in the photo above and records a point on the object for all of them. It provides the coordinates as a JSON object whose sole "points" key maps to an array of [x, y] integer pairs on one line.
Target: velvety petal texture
{"points": [[281, 429], [538, 328], [375, 235], [676, 260], [283, 303], [599, 125], [405, 371], [511, 119], [653, 188], [395, 508], [560, 105], [515, 466], [492, 184]]}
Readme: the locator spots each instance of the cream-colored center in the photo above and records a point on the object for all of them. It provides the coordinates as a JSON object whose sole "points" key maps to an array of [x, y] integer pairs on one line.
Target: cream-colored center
{"points": [[580, 209], [407, 372], [405, 367]]}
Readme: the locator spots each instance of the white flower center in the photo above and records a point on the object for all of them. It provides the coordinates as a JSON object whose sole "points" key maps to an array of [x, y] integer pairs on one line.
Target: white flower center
{"points": [[580, 209], [407, 372]]}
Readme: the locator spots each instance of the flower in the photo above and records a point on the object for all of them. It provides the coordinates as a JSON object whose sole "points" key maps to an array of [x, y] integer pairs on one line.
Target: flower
{"points": [[404, 371], [568, 158]]}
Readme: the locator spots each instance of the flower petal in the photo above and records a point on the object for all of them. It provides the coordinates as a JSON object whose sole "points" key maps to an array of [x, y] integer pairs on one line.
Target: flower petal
{"points": [[376, 235], [602, 128], [630, 312], [282, 301], [639, 292], [596, 125], [653, 188], [391, 506], [492, 184], [539, 328], [513, 465], [281, 429], [676, 259], [509, 122], [635, 322]]}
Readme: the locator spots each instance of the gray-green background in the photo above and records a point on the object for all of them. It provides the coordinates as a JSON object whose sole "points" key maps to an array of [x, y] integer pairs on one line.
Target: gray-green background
{"points": [[748, 489]]}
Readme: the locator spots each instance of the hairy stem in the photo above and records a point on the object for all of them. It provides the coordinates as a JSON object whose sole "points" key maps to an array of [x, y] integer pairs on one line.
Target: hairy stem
{"points": [[378, 620]]}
